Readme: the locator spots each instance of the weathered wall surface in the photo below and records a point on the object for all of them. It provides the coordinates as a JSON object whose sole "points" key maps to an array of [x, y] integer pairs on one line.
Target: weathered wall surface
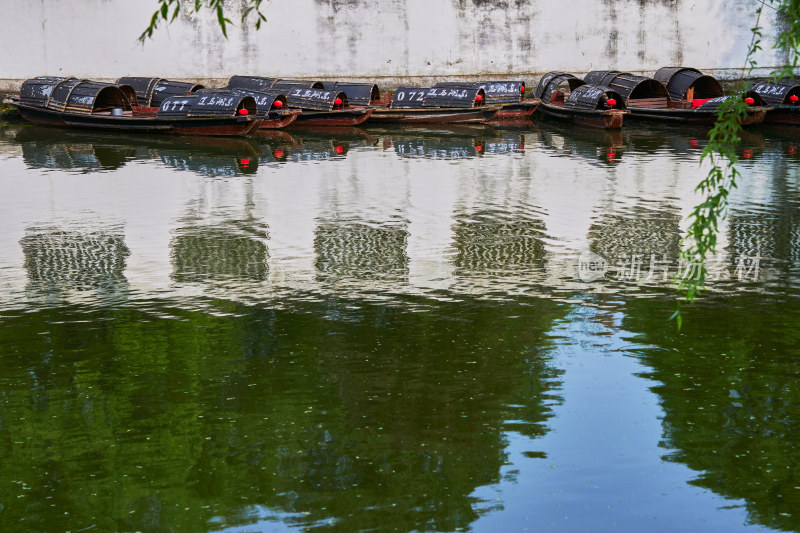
{"points": [[388, 41]]}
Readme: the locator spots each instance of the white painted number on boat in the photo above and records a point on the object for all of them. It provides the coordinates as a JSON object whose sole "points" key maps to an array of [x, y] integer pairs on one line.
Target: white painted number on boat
{"points": [[175, 103]]}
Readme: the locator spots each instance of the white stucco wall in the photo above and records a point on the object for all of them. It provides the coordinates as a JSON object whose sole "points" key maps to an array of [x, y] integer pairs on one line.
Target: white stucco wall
{"points": [[387, 41]]}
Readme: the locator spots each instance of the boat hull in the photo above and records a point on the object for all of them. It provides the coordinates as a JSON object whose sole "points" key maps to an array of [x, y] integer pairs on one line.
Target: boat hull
{"points": [[434, 115], [335, 118], [789, 115], [755, 115], [605, 119], [518, 110], [284, 119], [225, 126]]}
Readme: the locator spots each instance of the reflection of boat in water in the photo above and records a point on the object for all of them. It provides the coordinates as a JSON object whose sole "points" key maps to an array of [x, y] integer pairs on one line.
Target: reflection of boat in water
{"points": [[44, 147], [598, 145], [52, 148], [88, 151], [320, 143], [685, 140], [449, 141]]}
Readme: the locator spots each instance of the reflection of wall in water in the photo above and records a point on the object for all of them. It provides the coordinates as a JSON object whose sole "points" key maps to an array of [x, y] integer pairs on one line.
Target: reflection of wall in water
{"points": [[57, 259], [766, 226], [359, 250], [644, 233], [211, 253], [487, 242], [774, 235]]}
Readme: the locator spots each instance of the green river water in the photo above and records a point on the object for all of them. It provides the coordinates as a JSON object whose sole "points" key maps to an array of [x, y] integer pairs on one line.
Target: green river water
{"points": [[460, 329]]}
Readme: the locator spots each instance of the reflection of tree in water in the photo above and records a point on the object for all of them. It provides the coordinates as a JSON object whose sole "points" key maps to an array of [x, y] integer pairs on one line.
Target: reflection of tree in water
{"points": [[215, 253], [730, 392], [361, 251], [361, 417], [497, 242], [60, 260]]}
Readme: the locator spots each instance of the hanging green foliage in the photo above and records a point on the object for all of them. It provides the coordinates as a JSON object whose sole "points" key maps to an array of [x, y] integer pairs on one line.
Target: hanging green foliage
{"points": [[169, 10], [720, 152]]}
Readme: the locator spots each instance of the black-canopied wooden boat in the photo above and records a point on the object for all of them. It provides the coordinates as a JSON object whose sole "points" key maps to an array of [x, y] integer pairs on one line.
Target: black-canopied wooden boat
{"points": [[151, 92], [509, 95], [685, 83], [783, 98], [360, 94], [566, 97], [55, 101], [320, 106], [435, 105], [680, 95], [271, 105]]}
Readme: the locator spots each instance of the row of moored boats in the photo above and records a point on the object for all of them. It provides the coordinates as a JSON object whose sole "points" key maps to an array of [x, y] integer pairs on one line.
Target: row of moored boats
{"points": [[249, 104]]}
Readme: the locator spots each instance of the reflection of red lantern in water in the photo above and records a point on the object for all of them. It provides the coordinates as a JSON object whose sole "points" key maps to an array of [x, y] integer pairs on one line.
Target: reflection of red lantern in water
{"points": [[747, 153], [792, 150], [244, 162], [611, 154], [339, 149], [694, 143], [278, 154]]}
